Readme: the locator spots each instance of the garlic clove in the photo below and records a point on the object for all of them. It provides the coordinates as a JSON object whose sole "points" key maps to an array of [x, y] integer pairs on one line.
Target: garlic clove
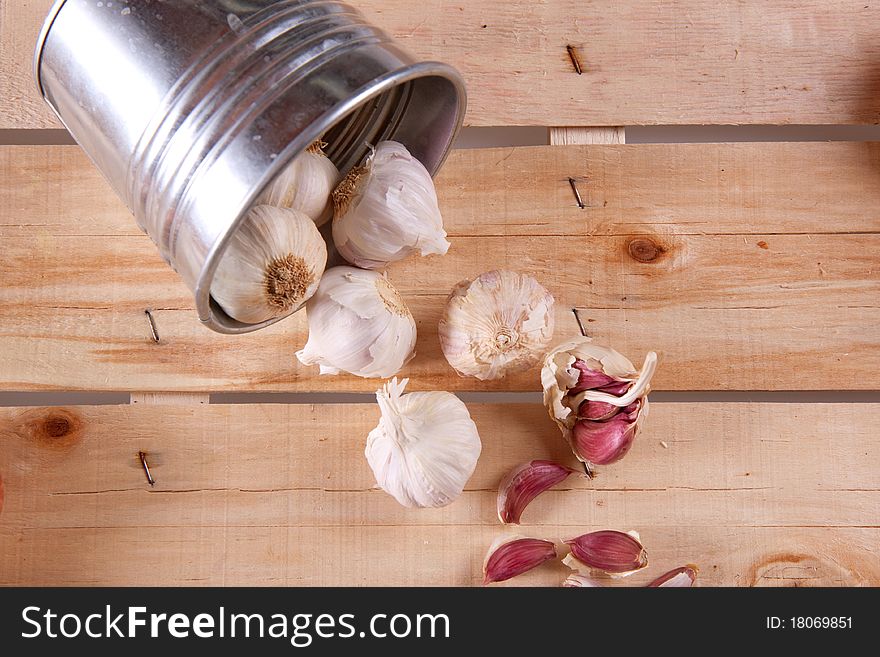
{"points": [[581, 581], [511, 556], [425, 448], [497, 324], [597, 411], [597, 398], [272, 265], [683, 577], [524, 483], [358, 323], [617, 553], [387, 209], [305, 185], [605, 442]]}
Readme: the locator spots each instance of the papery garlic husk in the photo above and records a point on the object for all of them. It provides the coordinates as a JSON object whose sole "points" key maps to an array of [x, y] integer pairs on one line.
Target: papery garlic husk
{"points": [[425, 447], [358, 323], [683, 577], [306, 184], [597, 398], [387, 209], [616, 553], [271, 266], [509, 556], [497, 324], [576, 580], [524, 483]]}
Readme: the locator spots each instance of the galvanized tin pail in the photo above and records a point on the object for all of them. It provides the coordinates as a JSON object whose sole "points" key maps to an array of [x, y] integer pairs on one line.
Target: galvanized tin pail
{"points": [[189, 108]]}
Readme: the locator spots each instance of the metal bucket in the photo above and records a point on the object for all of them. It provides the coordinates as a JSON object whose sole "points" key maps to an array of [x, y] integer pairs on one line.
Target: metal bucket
{"points": [[190, 108]]}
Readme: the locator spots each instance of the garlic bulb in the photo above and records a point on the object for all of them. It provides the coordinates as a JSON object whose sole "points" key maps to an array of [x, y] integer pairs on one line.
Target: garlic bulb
{"points": [[425, 448], [358, 324], [387, 209], [597, 398], [501, 322], [305, 185], [271, 266]]}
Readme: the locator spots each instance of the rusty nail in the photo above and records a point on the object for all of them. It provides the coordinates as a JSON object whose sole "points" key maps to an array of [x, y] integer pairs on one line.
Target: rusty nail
{"points": [[143, 458], [575, 59], [153, 329], [577, 194], [580, 323]]}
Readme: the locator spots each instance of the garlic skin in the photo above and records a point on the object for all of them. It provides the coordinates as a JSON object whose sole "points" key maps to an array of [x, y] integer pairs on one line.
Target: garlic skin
{"points": [[272, 265], [509, 556], [359, 324], [387, 209], [497, 324], [577, 581], [597, 398], [305, 185], [425, 447]]}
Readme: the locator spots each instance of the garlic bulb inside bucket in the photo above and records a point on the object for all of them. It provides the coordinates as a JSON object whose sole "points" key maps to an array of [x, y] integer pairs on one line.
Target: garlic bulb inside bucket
{"points": [[425, 448], [271, 266], [501, 322], [358, 323], [387, 209], [305, 185]]}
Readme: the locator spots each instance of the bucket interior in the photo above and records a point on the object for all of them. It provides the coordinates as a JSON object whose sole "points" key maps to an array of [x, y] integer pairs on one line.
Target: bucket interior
{"points": [[420, 113]]}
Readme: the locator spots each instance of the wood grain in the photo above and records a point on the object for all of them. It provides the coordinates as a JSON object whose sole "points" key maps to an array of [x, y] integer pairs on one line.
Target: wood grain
{"points": [[716, 255], [754, 493], [683, 62]]}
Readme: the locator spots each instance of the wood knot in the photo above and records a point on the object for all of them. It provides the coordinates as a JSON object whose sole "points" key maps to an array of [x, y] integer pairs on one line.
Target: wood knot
{"points": [[56, 428], [643, 249]]}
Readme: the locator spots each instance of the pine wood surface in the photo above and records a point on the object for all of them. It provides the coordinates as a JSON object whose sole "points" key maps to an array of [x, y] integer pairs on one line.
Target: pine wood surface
{"points": [[748, 266], [753, 493]]}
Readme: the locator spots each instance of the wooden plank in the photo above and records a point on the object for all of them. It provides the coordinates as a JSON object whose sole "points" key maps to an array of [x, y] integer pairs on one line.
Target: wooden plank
{"points": [[768, 494], [680, 189], [683, 62], [717, 255]]}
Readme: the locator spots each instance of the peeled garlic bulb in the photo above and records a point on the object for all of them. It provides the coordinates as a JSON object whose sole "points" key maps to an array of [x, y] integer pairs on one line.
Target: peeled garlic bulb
{"points": [[272, 265], [425, 448], [358, 324], [499, 323], [597, 398], [305, 185], [387, 209]]}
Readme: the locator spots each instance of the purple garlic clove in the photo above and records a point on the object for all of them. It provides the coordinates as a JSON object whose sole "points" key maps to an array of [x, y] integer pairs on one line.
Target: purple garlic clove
{"points": [[524, 483], [510, 557], [612, 552], [683, 577]]}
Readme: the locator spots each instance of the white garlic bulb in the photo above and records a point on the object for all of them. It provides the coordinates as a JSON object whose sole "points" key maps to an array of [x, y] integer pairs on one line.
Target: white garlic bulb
{"points": [[305, 185], [499, 323], [359, 324], [425, 448], [272, 265], [387, 209]]}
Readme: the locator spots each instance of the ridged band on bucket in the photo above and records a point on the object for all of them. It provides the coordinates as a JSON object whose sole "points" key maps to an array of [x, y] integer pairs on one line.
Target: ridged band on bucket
{"points": [[191, 108]]}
